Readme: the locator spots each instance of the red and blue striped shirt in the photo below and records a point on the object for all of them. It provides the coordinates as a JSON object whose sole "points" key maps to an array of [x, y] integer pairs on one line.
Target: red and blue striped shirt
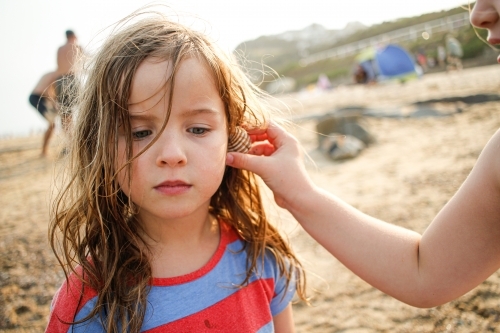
{"points": [[207, 300]]}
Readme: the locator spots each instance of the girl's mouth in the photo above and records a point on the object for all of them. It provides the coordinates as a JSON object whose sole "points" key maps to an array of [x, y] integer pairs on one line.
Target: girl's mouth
{"points": [[173, 187]]}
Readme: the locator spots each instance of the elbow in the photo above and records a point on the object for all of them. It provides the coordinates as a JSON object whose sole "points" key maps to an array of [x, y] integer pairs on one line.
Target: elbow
{"points": [[425, 303], [424, 300]]}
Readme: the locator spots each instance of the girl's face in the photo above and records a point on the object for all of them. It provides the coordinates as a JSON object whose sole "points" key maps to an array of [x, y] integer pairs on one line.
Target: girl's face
{"points": [[176, 177], [485, 15]]}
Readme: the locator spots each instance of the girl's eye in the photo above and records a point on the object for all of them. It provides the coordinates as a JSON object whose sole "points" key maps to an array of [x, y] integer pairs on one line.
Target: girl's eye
{"points": [[141, 134], [198, 130]]}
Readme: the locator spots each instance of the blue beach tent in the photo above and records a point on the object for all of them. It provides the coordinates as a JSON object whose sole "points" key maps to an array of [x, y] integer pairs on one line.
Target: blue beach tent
{"points": [[386, 63]]}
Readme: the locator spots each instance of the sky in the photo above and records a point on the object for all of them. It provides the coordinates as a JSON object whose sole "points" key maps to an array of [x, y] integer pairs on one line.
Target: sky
{"points": [[32, 30]]}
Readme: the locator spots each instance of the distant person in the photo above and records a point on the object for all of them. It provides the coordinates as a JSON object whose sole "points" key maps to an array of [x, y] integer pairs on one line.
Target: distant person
{"points": [[66, 84], [459, 249], [441, 56], [43, 99], [371, 69], [455, 53], [359, 74], [422, 59], [323, 83]]}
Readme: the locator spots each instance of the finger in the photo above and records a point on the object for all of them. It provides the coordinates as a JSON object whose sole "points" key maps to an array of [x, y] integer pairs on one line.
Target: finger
{"points": [[262, 134], [258, 137], [245, 161], [277, 135], [262, 148], [256, 131]]}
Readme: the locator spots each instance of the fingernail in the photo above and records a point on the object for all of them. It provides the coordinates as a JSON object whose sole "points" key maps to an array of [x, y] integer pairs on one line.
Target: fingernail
{"points": [[229, 158]]}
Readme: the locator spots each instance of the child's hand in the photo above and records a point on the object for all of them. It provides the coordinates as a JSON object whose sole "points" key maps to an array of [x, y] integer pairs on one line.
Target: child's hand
{"points": [[276, 157]]}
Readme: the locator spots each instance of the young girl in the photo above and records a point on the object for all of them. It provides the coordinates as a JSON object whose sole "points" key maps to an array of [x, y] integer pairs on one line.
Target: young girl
{"points": [[154, 232], [459, 249]]}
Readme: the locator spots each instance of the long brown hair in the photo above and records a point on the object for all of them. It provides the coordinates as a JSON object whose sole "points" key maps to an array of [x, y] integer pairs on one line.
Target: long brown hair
{"points": [[93, 223]]}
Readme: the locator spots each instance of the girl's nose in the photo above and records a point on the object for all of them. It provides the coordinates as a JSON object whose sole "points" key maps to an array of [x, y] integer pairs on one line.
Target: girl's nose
{"points": [[170, 151], [484, 15]]}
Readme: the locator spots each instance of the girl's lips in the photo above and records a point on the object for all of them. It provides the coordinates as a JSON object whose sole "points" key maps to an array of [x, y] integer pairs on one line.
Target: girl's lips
{"points": [[173, 187]]}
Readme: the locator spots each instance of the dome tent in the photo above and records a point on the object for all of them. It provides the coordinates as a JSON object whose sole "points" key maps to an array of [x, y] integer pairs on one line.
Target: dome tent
{"points": [[386, 63]]}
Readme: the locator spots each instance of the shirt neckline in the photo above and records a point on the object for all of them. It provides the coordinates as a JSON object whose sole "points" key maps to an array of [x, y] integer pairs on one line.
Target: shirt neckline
{"points": [[227, 235]]}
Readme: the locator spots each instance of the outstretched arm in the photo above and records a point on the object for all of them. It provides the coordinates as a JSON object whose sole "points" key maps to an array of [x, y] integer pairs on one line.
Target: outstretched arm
{"points": [[458, 251]]}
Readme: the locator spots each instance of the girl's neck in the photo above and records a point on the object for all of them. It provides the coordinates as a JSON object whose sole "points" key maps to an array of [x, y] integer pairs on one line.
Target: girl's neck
{"points": [[182, 246], [160, 233]]}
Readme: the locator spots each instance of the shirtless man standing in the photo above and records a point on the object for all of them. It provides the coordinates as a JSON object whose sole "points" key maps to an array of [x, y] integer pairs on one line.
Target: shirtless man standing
{"points": [[65, 85]]}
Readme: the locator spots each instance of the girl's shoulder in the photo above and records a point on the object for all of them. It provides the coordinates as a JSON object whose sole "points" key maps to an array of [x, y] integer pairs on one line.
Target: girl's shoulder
{"points": [[272, 275], [231, 240], [71, 297], [227, 232]]}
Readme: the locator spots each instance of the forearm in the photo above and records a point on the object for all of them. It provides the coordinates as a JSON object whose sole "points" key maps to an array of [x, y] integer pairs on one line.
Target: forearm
{"points": [[384, 255]]}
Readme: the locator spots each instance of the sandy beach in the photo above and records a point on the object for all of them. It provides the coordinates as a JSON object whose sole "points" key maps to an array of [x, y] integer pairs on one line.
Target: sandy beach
{"points": [[405, 178]]}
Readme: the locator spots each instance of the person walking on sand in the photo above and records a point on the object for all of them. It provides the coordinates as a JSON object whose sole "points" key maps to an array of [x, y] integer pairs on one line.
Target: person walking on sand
{"points": [[455, 53], [43, 99], [459, 249], [441, 56], [67, 55]]}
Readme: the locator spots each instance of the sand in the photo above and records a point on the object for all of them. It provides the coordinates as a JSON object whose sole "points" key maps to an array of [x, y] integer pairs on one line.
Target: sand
{"points": [[405, 177]]}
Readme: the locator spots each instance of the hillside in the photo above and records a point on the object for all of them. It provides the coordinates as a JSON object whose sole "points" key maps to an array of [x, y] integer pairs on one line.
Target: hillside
{"points": [[292, 45], [282, 55]]}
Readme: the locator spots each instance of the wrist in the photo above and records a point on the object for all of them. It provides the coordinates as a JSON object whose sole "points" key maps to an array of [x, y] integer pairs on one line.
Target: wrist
{"points": [[302, 199]]}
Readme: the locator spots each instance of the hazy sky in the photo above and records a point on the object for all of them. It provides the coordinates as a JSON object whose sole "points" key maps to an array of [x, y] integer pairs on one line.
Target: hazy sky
{"points": [[32, 30]]}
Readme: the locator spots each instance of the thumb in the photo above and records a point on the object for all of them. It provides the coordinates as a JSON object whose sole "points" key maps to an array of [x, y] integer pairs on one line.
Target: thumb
{"points": [[248, 162]]}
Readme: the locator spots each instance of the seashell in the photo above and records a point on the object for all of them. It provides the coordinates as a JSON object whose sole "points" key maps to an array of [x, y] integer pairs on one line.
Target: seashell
{"points": [[239, 141]]}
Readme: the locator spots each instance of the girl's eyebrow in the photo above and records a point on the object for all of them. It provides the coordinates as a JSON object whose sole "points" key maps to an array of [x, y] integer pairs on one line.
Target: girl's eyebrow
{"points": [[195, 112], [141, 116]]}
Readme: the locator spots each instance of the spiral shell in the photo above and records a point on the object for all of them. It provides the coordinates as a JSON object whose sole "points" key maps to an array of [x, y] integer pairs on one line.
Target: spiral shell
{"points": [[239, 141]]}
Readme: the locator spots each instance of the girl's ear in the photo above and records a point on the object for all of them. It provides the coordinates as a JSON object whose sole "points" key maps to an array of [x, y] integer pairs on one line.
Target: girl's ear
{"points": [[239, 141]]}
